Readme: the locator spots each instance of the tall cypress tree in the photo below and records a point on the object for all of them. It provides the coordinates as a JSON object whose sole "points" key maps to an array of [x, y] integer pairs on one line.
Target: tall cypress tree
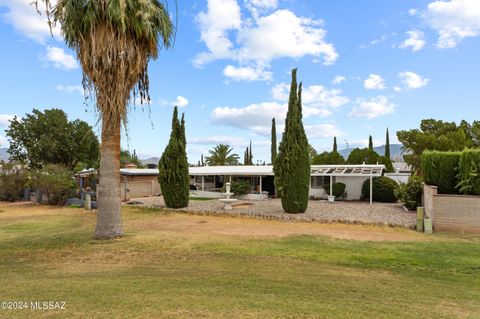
{"points": [[274, 142], [173, 166], [250, 155], [335, 145], [370, 143], [387, 145], [292, 165]]}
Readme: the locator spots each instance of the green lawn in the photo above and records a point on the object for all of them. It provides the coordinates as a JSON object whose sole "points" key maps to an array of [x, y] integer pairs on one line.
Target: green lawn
{"points": [[178, 265]]}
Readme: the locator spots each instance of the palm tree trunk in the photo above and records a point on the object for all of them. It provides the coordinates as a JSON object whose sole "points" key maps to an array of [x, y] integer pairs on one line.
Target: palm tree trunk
{"points": [[109, 216]]}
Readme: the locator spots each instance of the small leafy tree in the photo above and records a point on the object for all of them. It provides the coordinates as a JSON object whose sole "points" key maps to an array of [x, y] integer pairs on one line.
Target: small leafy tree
{"points": [[12, 181], [48, 137], [328, 158], [362, 155], [55, 181], [292, 165], [173, 167]]}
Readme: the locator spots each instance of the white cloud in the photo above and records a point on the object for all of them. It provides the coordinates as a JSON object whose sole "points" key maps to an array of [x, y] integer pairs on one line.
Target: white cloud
{"points": [[338, 79], [259, 39], [256, 7], [5, 119], [397, 89], [61, 59], [415, 41], [22, 15], [180, 101], [69, 89], [246, 73], [412, 80], [255, 117], [412, 12], [375, 41], [322, 130], [374, 82], [372, 108], [283, 34], [221, 17], [454, 20], [314, 96], [220, 139]]}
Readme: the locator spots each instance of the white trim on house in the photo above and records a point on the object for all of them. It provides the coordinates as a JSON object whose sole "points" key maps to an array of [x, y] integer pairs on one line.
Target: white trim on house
{"points": [[244, 170]]}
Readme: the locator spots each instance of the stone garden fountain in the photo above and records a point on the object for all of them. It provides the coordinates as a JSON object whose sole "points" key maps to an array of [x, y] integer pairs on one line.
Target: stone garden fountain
{"points": [[227, 200]]}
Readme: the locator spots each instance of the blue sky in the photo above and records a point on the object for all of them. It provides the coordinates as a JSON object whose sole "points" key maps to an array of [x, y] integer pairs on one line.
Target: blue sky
{"points": [[365, 65]]}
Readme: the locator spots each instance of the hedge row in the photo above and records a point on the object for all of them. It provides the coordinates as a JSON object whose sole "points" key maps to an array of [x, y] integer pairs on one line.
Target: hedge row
{"points": [[453, 172], [440, 169], [469, 172]]}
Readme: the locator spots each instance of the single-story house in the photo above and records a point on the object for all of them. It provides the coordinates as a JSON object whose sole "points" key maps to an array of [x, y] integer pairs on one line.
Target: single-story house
{"points": [[208, 181]]}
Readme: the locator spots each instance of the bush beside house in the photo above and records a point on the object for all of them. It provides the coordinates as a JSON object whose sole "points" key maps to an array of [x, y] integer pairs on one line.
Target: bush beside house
{"points": [[384, 189], [55, 182], [410, 193], [12, 182], [338, 190]]}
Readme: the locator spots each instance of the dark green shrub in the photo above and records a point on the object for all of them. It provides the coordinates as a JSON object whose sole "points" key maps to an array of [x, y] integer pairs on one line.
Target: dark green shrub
{"points": [[12, 182], [292, 165], [56, 182], [239, 187], [469, 172], [338, 189], [440, 169], [173, 167], [384, 189], [410, 193]]}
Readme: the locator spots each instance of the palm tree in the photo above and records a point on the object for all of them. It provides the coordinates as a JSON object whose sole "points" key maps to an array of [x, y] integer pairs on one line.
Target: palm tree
{"points": [[114, 40], [220, 156]]}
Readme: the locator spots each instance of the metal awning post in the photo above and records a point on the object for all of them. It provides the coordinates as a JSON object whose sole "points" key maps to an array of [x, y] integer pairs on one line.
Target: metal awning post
{"points": [[331, 186], [261, 195], [371, 189], [203, 183]]}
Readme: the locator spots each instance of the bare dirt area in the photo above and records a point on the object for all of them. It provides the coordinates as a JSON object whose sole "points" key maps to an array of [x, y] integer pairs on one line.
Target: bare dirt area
{"points": [[208, 226], [195, 225]]}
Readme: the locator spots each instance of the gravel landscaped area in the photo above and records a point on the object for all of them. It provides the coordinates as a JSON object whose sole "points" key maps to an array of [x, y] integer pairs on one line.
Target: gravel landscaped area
{"points": [[322, 211]]}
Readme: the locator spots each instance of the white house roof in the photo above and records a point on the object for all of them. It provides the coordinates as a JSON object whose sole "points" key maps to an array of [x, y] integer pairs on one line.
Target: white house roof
{"points": [[347, 170], [245, 170], [262, 170], [139, 171]]}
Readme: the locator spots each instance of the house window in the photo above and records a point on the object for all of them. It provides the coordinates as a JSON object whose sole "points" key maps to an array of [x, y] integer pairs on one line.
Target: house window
{"points": [[207, 179], [320, 181]]}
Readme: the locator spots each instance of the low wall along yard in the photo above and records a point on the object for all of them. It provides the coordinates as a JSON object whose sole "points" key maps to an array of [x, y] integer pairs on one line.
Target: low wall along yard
{"points": [[452, 212]]}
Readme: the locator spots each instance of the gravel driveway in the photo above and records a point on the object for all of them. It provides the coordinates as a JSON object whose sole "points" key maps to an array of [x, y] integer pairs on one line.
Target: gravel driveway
{"points": [[322, 211]]}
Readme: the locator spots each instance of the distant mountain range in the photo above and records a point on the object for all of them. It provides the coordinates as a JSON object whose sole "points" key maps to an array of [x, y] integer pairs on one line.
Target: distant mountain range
{"points": [[4, 156], [395, 151], [151, 160]]}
